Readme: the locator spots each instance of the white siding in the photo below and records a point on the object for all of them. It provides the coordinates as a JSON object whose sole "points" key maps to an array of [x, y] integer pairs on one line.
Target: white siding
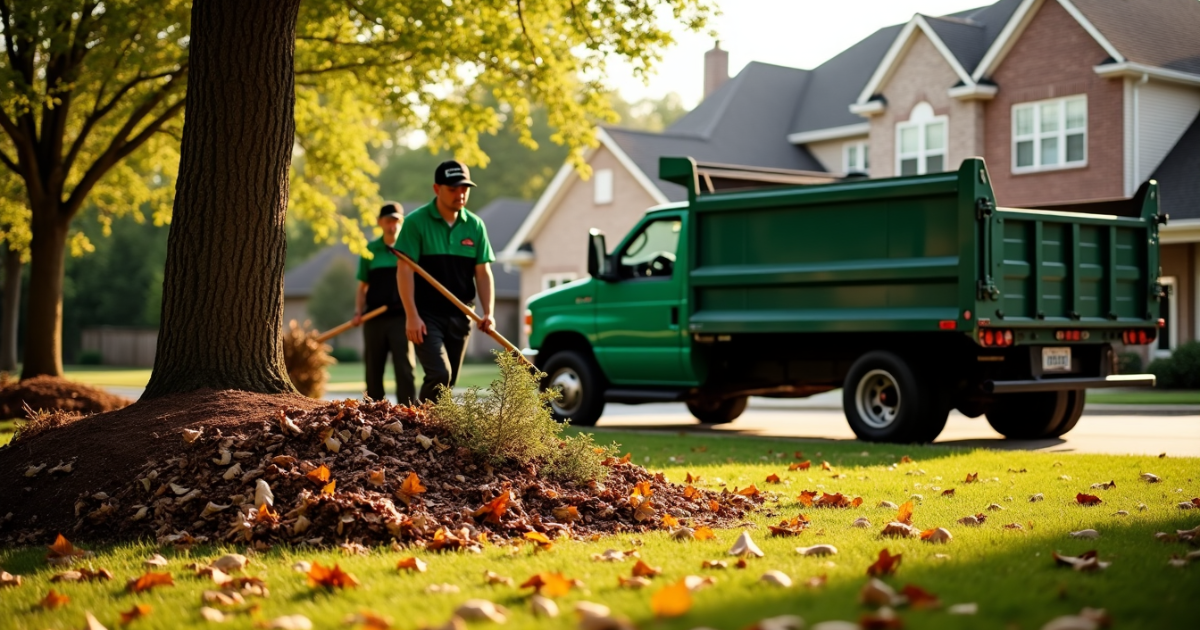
{"points": [[1164, 112]]}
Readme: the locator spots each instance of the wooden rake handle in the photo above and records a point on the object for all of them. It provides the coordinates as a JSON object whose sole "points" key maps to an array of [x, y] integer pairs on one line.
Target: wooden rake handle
{"points": [[337, 330], [467, 310]]}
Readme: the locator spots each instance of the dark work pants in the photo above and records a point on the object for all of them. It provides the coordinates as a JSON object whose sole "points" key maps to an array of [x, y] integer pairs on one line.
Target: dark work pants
{"points": [[442, 352], [382, 335]]}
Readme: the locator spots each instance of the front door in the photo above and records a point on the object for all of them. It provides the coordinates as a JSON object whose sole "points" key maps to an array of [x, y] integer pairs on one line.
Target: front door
{"points": [[639, 337]]}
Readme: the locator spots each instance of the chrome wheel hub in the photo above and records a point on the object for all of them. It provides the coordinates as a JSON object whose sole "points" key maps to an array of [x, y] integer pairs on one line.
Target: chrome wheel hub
{"points": [[570, 388], [877, 399]]}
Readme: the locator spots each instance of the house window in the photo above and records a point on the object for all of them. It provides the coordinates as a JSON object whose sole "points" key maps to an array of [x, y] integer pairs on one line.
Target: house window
{"points": [[602, 180], [921, 142], [1050, 134], [551, 280], [1168, 335], [854, 157]]}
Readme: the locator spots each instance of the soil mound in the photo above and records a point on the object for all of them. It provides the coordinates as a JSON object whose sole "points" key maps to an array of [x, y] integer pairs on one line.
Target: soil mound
{"points": [[50, 393], [350, 473]]}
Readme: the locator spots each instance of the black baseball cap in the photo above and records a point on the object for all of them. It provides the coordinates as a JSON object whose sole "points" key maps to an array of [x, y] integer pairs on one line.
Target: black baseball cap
{"points": [[452, 173], [391, 209]]}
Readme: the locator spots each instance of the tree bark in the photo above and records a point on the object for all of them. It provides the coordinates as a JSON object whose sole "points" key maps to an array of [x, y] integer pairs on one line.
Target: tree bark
{"points": [[10, 310], [43, 330], [222, 307]]}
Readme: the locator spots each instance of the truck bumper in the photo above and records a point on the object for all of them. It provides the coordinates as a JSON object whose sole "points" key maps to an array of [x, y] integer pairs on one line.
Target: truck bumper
{"points": [[1059, 384], [529, 353]]}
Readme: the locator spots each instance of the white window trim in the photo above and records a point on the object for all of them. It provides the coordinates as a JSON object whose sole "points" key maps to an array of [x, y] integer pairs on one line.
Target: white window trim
{"points": [[863, 166], [558, 279], [1037, 136], [1172, 331], [602, 187], [922, 153]]}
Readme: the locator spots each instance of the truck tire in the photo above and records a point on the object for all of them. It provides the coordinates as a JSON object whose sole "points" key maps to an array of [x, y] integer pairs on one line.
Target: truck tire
{"points": [[723, 412], [1035, 415], [885, 401], [582, 385], [1076, 399]]}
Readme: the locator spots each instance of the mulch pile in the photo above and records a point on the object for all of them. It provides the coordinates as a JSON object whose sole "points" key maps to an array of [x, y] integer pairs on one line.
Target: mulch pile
{"points": [[392, 477], [50, 393]]}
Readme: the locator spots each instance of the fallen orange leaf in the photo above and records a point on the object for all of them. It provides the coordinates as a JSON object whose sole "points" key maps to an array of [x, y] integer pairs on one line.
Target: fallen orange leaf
{"points": [[328, 489], [53, 600], [642, 489], [690, 493], [410, 488], [672, 601], [772, 478], [690, 478], [749, 491], [549, 584], [948, 492], [63, 549], [644, 511], [412, 564], [1088, 499], [826, 466], [641, 569], [137, 612], [625, 460], [494, 509], [330, 577], [149, 581], [799, 454], [919, 597], [318, 475], [972, 477], [714, 505], [568, 514], [669, 521], [885, 565], [906, 460], [704, 533], [806, 497], [800, 466]]}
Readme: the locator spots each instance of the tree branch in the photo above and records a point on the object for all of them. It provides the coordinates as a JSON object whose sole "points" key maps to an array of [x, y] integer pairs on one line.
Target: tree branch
{"points": [[10, 163], [524, 30], [352, 66]]}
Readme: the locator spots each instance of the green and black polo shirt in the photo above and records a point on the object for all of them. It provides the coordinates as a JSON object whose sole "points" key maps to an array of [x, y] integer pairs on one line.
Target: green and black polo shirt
{"points": [[448, 253], [379, 272]]}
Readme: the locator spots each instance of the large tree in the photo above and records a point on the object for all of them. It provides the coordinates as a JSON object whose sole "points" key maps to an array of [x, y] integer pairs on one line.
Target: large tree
{"points": [[92, 93]]}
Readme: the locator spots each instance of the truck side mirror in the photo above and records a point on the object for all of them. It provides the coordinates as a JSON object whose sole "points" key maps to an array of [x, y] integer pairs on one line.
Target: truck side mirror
{"points": [[597, 255]]}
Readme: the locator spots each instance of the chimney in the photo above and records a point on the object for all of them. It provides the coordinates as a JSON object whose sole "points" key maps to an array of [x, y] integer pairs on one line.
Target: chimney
{"points": [[716, 69]]}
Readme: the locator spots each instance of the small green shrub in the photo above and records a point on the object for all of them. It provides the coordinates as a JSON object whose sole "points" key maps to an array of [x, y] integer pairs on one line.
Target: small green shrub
{"points": [[1129, 363], [1164, 370], [1179, 371], [513, 423], [345, 355], [90, 357]]}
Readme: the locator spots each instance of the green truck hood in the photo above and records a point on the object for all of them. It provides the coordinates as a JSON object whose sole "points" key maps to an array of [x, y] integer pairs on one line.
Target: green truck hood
{"points": [[562, 295]]}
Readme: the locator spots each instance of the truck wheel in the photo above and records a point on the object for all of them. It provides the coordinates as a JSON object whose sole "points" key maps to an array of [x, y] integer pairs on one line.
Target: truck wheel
{"points": [[884, 401], [723, 412], [1076, 399], [578, 378], [1032, 415]]}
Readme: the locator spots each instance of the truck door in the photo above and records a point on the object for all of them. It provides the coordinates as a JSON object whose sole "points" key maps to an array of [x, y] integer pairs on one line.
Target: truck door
{"points": [[639, 336]]}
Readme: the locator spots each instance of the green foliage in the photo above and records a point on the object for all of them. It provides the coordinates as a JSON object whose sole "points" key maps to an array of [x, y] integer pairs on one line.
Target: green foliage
{"points": [[513, 423], [1129, 363], [91, 357], [1181, 370], [332, 299], [345, 355]]}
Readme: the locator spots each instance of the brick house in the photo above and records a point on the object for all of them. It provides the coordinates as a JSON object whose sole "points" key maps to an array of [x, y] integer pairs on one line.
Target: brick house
{"points": [[1069, 101]]}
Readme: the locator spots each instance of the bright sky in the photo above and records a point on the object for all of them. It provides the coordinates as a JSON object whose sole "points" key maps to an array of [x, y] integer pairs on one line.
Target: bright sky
{"points": [[797, 33]]}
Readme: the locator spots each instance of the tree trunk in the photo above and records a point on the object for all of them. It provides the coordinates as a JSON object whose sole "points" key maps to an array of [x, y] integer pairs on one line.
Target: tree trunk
{"points": [[10, 310], [222, 309], [43, 330]]}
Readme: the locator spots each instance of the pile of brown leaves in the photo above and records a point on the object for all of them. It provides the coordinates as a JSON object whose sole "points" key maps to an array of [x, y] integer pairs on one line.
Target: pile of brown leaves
{"points": [[50, 393], [363, 473], [306, 359]]}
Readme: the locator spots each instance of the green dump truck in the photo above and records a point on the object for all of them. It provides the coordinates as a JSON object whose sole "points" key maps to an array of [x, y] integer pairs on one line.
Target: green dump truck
{"points": [[915, 295]]}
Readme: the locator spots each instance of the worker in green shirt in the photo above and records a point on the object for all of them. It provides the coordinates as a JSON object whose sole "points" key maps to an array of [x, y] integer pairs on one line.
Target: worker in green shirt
{"points": [[385, 333], [451, 244]]}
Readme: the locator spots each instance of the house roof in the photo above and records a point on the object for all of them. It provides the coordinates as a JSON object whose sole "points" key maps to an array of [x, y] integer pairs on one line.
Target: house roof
{"points": [[1178, 179], [740, 123], [1159, 33], [503, 216], [835, 84]]}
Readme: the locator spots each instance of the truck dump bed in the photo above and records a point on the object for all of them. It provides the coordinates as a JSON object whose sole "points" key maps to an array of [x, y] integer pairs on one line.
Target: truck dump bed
{"points": [[924, 253]]}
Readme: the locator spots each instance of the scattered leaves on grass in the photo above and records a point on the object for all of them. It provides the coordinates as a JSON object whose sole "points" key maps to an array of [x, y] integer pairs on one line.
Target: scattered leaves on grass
{"points": [[672, 601], [791, 527], [749, 491], [212, 614], [91, 623], [886, 564], [288, 622], [714, 564], [543, 606], [1087, 619], [53, 600], [1150, 478], [137, 612], [148, 581], [949, 492], [972, 477], [1088, 499], [826, 466], [81, 575], [972, 521], [481, 610], [920, 598], [876, 592], [937, 535], [549, 584], [777, 578], [695, 582], [368, 620], [635, 583], [611, 555], [789, 622], [888, 504], [538, 538], [641, 569], [905, 513], [883, 619], [970, 608], [1086, 561], [1086, 533], [805, 465], [9, 580], [63, 552], [156, 560], [412, 563], [1037, 497], [861, 522], [817, 581], [1105, 486], [703, 532], [899, 530], [817, 550], [692, 479], [773, 478], [744, 546], [330, 577]]}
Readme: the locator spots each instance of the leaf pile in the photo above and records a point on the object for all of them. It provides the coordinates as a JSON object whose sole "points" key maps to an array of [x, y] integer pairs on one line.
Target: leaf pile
{"points": [[373, 473], [50, 393]]}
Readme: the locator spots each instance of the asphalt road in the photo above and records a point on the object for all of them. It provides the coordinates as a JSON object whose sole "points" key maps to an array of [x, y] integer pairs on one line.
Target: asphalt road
{"points": [[1141, 430]]}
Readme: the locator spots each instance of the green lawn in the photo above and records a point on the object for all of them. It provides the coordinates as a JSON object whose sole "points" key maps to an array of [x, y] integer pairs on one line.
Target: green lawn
{"points": [[1145, 397], [1008, 573]]}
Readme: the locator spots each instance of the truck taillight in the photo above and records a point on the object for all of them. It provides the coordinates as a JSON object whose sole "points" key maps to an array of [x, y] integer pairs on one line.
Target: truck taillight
{"points": [[995, 338], [1139, 337], [1072, 335], [528, 323]]}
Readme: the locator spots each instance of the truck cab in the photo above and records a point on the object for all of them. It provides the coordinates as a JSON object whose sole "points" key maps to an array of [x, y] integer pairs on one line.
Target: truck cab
{"points": [[915, 295]]}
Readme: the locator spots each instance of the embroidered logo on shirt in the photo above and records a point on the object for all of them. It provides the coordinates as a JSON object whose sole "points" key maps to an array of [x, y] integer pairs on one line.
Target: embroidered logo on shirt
{"points": [[468, 242]]}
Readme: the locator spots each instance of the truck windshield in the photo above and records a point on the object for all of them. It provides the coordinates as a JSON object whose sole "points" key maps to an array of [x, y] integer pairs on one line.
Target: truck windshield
{"points": [[651, 254]]}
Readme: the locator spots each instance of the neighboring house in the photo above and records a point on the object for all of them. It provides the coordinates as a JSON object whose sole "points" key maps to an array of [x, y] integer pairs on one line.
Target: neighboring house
{"points": [[502, 217], [1069, 101]]}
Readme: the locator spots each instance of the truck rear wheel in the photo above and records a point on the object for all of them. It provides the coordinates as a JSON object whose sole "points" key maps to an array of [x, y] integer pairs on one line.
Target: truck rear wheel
{"points": [[721, 412], [1035, 415], [577, 376], [884, 401]]}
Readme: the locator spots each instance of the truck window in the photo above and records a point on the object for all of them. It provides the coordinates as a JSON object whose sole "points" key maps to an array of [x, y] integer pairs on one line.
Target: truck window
{"points": [[651, 254]]}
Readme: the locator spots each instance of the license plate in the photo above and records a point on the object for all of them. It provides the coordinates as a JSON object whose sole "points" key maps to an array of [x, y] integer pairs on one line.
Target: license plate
{"points": [[1056, 359]]}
